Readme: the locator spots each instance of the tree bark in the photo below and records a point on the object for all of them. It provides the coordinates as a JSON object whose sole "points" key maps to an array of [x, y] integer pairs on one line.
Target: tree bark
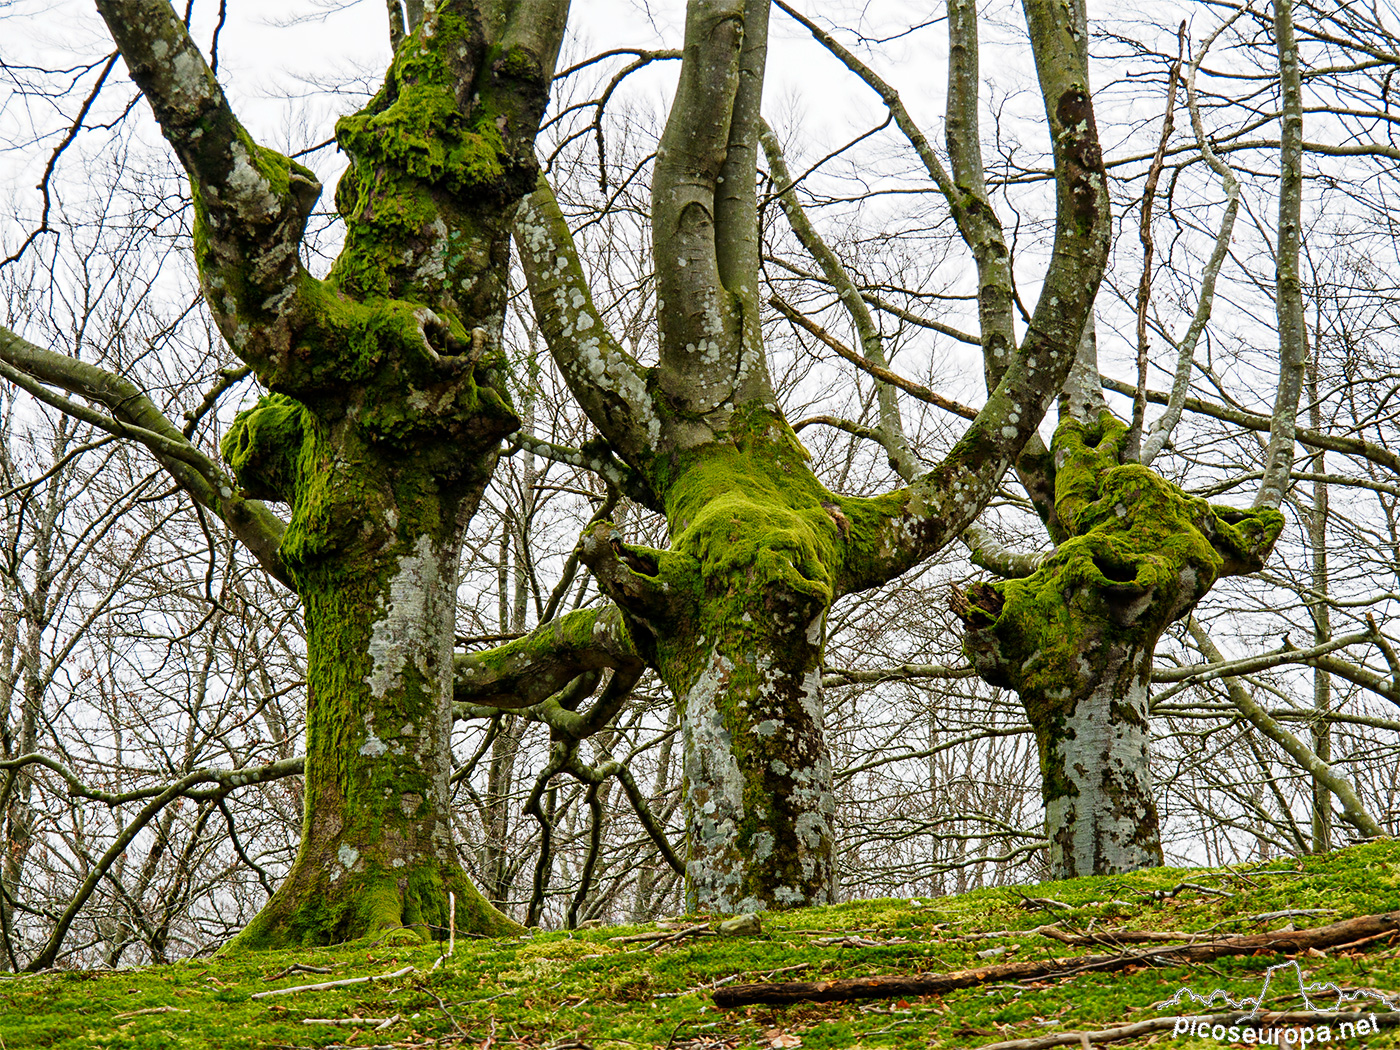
{"points": [[1075, 639], [376, 849], [733, 614], [382, 425]]}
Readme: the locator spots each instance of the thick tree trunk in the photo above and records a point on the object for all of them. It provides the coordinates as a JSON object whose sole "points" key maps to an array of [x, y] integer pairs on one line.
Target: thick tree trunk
{"points": [[756, 548], [1100, 816], [759, 801], [376, 848]]}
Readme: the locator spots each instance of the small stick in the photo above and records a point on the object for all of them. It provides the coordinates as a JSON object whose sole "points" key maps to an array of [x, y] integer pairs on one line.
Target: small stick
{"points": [[452, 897], [151, 1010], [376, 1021], [332, 984], [299, 968]]}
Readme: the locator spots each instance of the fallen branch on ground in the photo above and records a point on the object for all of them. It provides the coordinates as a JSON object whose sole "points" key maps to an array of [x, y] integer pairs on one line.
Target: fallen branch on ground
{"points": [[667, 936], [299, 968], [332, 984], [1280, 942]]}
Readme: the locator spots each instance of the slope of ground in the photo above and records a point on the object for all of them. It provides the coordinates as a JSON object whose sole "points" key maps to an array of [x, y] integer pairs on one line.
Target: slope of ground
{"points": [[591, 989]]}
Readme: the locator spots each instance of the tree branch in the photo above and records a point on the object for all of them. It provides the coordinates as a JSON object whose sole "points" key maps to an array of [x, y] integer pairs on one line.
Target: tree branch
{"points": [[530, 670], [609, 384], [896, 444], [1352, 810], [1161, 430], [135, 416], [1292, 352]]}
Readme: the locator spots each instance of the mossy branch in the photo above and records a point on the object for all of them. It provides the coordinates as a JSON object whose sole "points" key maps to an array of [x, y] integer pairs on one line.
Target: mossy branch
{"points": [[632, 576], [134, 416], [1278, 942], [251, 204], [530, 670]]}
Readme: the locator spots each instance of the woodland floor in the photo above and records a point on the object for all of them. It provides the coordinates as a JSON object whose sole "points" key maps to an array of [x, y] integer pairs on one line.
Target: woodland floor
{"points": [[585, 989]]}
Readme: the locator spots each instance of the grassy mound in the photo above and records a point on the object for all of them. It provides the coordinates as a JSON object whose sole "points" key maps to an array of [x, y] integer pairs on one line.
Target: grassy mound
{"points": [[588, 989]]}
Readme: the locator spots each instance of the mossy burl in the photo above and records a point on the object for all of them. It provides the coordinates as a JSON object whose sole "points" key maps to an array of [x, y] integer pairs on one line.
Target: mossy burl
{"points": [[1134, 537]]}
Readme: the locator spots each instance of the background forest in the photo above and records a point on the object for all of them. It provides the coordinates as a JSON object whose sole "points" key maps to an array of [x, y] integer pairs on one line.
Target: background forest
{"points": [[141, 646]]}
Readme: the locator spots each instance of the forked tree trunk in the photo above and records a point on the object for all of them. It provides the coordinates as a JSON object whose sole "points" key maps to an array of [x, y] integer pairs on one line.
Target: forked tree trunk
{"points": [[733, 615]]}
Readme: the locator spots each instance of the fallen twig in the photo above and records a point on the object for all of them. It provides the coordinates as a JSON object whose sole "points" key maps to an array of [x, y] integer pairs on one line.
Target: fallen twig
{"points": [[1280, 941], [378, 1022], [150, 1010], [1032, 903], [857, 942], [299, 968], [1119, 936], [659, 938], [1162, 895], [332, 984], [1270, 916]]}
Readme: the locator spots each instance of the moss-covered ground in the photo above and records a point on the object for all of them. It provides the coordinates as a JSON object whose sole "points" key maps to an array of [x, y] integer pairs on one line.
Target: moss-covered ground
{"points": [[584, 989]]}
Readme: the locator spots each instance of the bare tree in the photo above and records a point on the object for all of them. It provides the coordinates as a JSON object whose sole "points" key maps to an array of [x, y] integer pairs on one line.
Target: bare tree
{"points": [[383, 424], [732, 616]]}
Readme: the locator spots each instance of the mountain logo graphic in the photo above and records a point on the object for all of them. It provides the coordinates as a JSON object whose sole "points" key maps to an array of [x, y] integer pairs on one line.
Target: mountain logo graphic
{"points": [[1315, 995]]}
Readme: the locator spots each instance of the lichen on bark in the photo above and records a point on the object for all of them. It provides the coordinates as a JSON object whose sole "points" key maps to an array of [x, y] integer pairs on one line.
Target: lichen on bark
{"points": [[1075, 639], [383, 418]]}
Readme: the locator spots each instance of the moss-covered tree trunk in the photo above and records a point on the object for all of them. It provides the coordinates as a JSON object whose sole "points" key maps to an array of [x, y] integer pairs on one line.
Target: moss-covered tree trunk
{"points": [[379, 592], [1075, 635], [733, 614], [1075, 639], [755, 552], [383, 421]]}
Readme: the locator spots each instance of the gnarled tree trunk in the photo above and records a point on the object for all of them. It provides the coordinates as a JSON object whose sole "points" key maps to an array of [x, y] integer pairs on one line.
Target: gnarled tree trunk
{"points": [[383, 422], [733, 614], [1075, 639]]}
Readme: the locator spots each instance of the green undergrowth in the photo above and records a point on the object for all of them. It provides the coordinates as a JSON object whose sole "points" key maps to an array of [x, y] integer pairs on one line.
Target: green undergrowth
{"points": [[584, 989]]}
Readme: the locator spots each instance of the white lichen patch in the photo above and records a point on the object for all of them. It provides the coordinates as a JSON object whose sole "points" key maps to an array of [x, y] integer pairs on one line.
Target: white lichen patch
{"points": [[407, 632]]}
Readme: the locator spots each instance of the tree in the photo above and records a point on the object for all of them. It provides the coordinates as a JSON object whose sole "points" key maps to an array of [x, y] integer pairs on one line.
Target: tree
{"points": [[732, 615], [383, 421]]}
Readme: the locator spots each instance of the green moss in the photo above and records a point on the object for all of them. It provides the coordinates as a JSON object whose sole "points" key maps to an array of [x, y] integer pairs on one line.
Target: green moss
{"points": [[1135, 538], [550, 987], [263, 447], [751, 523]]}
